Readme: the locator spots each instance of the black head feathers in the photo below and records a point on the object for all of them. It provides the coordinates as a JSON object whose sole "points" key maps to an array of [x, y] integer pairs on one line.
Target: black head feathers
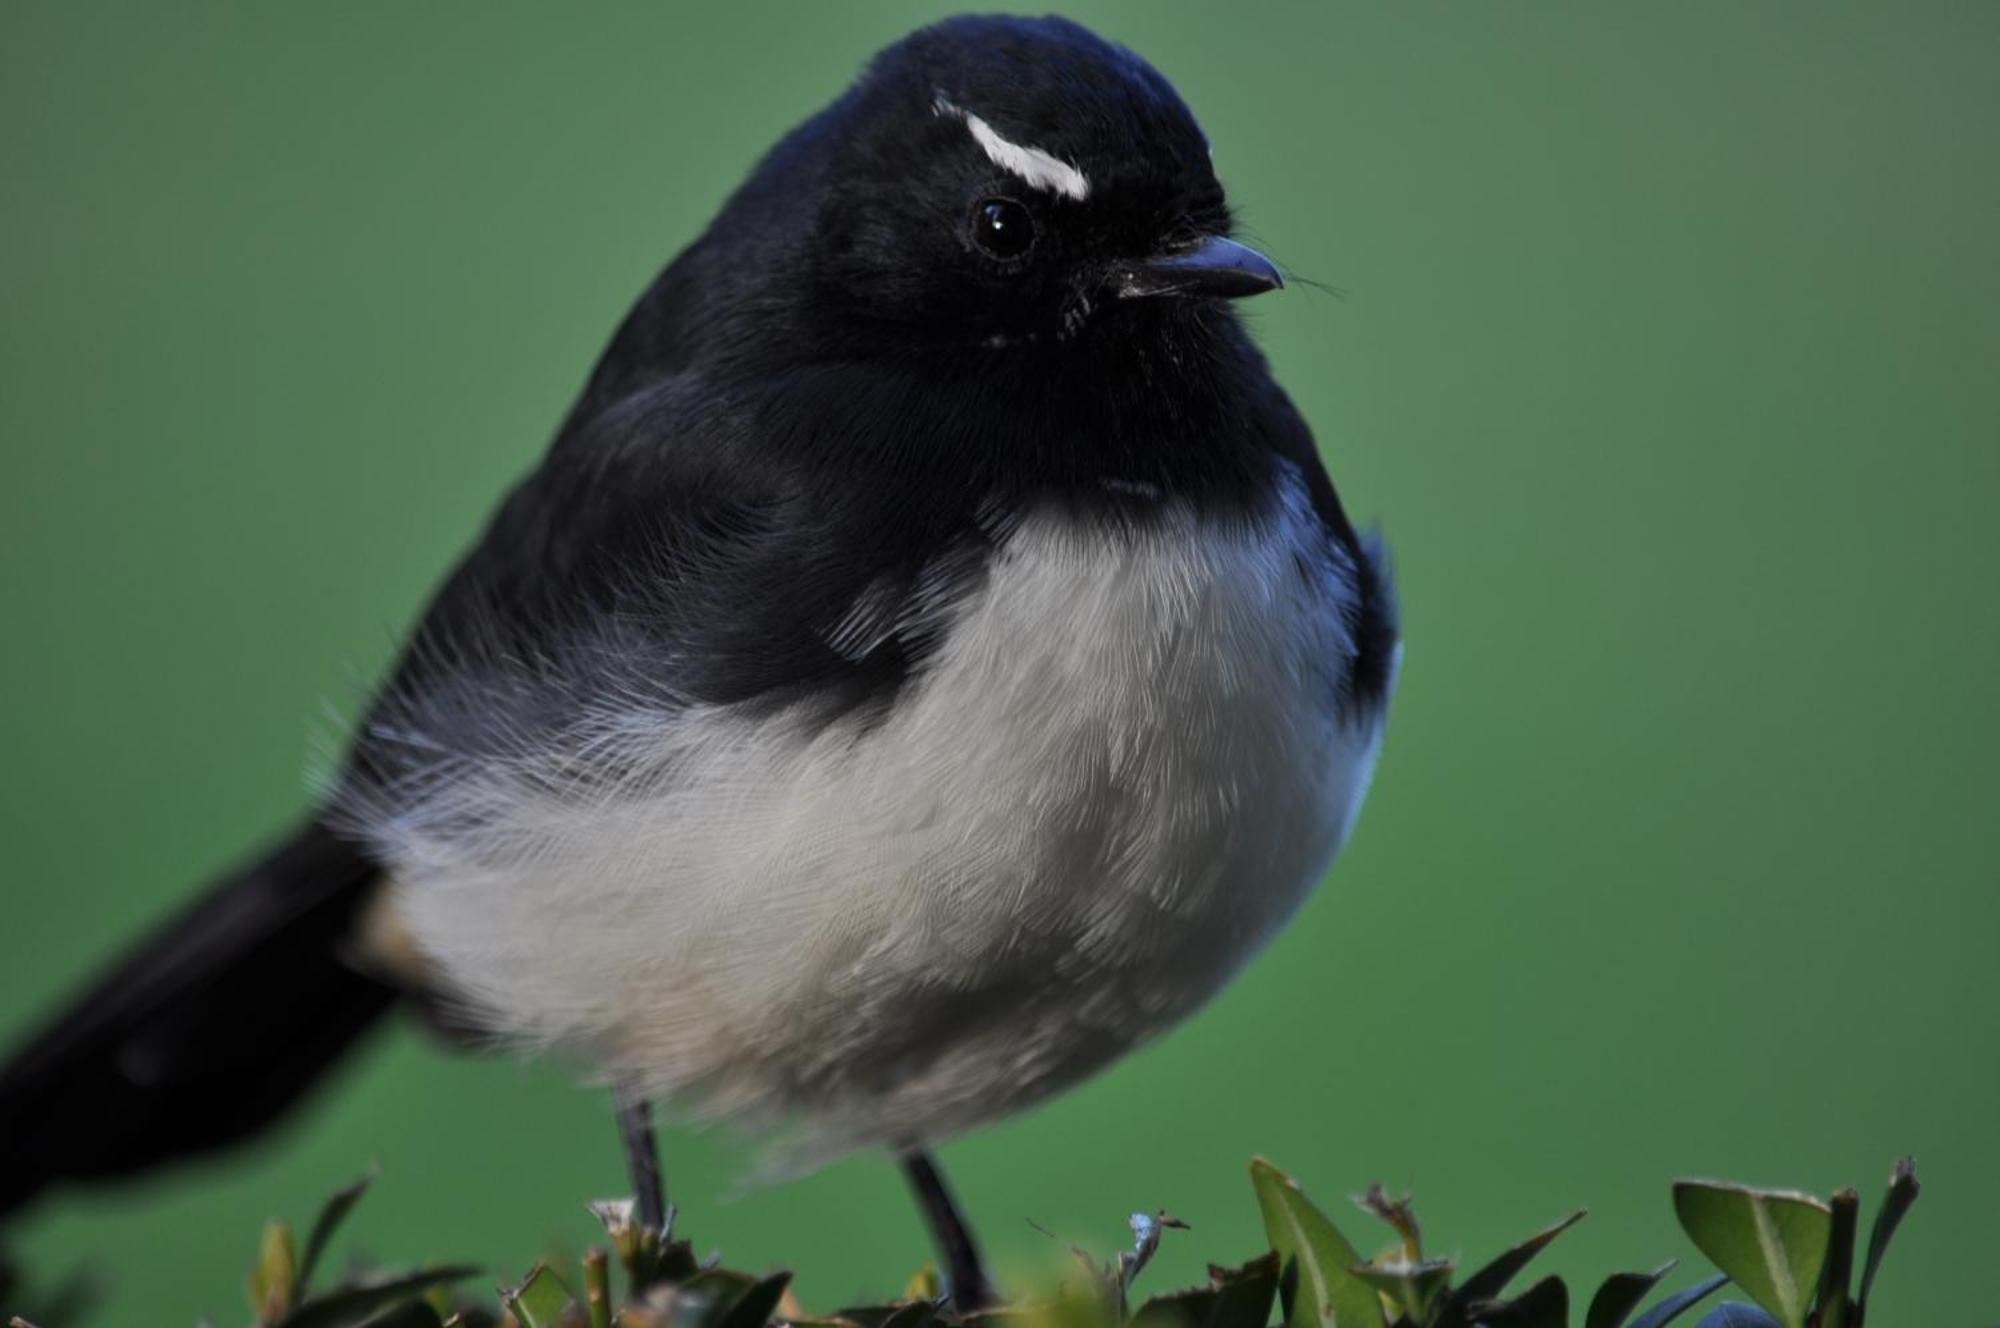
{"points": [[990, 182]]}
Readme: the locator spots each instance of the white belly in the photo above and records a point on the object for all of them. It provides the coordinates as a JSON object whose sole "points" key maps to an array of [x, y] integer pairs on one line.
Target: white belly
{"points": [[1121, 772]]}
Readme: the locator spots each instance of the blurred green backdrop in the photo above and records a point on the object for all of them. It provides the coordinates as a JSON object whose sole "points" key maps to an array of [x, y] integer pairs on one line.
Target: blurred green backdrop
{"points": [[1669, 358]]}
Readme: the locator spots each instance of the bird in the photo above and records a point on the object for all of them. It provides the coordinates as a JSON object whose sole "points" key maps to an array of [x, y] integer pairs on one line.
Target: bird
{"points": [[930, 660]]}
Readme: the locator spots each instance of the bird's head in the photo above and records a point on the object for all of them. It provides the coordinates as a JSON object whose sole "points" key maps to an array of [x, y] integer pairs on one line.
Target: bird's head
{"points": [[997, 182]]}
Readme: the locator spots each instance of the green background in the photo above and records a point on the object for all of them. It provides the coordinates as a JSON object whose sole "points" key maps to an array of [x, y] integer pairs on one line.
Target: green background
{"points": [[1669, 358]]}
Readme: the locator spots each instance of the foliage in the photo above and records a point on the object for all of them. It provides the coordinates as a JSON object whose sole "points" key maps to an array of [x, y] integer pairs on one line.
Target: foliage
{"points": [[1792, 1254]]}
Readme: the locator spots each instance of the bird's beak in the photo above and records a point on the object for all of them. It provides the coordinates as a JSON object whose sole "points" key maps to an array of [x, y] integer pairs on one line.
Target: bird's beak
{"points": [[1217, 267]]}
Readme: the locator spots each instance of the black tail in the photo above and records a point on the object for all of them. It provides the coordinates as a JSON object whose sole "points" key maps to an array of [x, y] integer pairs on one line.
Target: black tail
{"points": [[203, 1034]]}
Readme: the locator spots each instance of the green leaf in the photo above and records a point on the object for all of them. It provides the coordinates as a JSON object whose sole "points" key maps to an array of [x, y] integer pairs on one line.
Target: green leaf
{"points": [[1902, 1193], [705, 1299], [274, 1281], [924, 1284], [1735, 1314], [1543, 1305], [410, 1314], [543, 1300], [1234, 1298], [1772, 1243], [675, 1261], [864, 1316], [1089, 1302], [1326, 1292], [1831, 1306], [1001, 1317], [1620, 1295], [1243, 1294], [1673, 1306], [1489, 1281], [725, 1298], [356, 1302], [916, 1314], [1410, 1286], [876, 1316], [757, 1303], [331, 1214], [1186, 1308]]}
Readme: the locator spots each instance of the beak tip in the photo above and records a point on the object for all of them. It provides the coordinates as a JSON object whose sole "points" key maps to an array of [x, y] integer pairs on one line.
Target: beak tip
{"points": [[1218, 267]]}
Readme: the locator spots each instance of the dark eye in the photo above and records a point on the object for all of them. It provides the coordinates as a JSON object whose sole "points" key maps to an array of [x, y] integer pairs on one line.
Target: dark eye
{"points": [[1002, 228]]}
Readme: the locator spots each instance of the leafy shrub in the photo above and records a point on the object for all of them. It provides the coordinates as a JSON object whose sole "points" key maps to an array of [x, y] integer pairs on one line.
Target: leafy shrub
{"points": [[1792, 1254]]}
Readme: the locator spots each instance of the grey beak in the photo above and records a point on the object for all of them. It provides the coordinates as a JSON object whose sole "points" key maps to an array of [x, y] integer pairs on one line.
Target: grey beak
{"points": [[1217, 267]]}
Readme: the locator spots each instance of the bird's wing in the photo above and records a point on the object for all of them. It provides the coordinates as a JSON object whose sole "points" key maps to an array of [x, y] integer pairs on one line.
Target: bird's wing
{"points": [[658, 559], [1374, 618]]}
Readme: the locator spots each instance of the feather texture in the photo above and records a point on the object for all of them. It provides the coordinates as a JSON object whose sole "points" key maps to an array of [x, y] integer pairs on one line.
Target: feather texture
{"points": [[1124, 766]]}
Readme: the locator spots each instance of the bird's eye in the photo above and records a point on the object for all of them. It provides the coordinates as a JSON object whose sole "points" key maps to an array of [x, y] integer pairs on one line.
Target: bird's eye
{"points": [[1002, 228]]}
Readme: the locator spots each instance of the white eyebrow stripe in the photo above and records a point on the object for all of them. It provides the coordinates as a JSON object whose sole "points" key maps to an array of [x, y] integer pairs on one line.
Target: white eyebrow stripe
{"points": [[1034, 167]]}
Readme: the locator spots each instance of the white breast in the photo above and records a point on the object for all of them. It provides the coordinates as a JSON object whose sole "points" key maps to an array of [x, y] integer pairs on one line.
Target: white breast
{"points": [[1121, 772]]}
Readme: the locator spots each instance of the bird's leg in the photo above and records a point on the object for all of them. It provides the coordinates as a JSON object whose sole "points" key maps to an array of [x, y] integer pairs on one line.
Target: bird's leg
{"points": [[969, 1288], [642, 1156]]}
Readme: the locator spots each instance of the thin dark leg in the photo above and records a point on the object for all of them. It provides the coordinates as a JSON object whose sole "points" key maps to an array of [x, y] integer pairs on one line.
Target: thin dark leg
{"points": [[642, 1156], [969, 1288]]}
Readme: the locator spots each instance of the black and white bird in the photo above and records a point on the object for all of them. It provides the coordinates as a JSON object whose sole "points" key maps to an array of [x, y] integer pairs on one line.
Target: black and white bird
{"points": [[930, 661]]}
